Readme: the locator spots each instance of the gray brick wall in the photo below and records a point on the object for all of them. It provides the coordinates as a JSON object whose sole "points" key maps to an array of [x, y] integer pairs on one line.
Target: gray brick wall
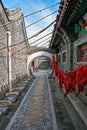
{"points": [[18, 61], [65, 66]]}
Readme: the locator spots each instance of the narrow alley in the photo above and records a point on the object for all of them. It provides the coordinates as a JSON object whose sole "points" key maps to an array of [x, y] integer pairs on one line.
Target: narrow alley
{"points": [[43, 65]]}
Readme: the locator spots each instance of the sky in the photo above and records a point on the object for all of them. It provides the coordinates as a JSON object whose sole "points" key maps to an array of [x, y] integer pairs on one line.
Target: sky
{"points": [[29, 6]]}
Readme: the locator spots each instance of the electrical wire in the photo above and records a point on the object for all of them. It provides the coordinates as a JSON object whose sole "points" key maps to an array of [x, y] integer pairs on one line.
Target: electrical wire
{"points": [[3, 37], [43, 41], [40, 38], [35, 45], [43, 29], [30, 37], [34, 42], [30, 14]]}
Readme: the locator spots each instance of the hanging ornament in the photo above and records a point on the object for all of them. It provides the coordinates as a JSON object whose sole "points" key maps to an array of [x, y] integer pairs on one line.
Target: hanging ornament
{"points": [[26, 60], [12, 52], [18, 52], [9, 48]]}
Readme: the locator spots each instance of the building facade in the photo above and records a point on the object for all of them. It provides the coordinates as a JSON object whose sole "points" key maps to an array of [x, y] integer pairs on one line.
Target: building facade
{"points": [[69, 37]]}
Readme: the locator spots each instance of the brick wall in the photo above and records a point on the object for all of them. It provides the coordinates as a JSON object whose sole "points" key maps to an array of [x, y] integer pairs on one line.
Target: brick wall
{"points": [[18, 60]]}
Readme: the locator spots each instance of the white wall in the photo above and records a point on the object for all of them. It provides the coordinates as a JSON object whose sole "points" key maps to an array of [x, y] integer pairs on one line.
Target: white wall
{"points": [[35, 55]]}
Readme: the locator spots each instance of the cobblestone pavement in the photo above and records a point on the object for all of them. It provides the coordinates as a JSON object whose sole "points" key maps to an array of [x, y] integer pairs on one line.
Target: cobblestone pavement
{"points": [[36, 110]]}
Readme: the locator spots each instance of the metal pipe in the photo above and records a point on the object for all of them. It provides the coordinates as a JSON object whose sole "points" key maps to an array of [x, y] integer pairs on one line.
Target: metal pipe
{"points": [[9, 60]]}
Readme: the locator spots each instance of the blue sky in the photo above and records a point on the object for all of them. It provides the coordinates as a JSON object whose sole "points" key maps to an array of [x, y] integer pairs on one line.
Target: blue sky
{"points": [[29, 6]]}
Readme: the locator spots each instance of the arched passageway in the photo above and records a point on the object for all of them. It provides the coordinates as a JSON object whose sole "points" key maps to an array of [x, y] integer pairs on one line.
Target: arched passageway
{"points": [[35, 55]]}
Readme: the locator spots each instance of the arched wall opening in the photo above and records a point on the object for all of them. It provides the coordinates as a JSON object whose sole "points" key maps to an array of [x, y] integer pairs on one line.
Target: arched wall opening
{"points": [[35, 55]]}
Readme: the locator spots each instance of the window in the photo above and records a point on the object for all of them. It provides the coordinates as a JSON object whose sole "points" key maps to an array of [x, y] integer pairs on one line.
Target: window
{"points": [[64, 57], [58, 58], [83, 53]]}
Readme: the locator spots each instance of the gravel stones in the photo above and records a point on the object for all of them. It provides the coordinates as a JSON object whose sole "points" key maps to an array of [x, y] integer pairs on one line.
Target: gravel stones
{"points": [[35, 112]]}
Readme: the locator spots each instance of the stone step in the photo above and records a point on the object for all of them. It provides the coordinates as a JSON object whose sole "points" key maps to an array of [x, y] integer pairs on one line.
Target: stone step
{"points": [[79, 107]]}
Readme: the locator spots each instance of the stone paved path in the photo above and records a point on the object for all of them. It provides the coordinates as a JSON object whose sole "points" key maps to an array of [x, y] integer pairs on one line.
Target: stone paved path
{"points": [[36, 111]]}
